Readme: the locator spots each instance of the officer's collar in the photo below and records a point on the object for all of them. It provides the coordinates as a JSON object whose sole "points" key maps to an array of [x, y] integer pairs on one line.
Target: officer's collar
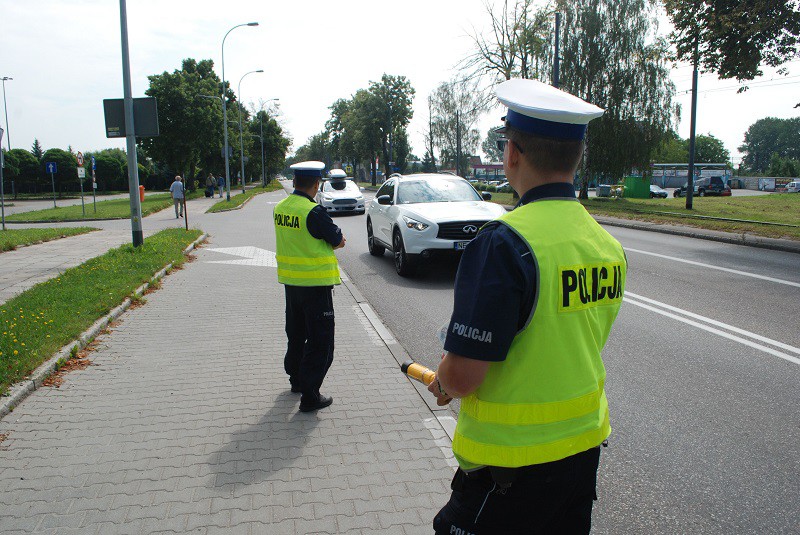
{"points": [[553, 190], [302, 194]]}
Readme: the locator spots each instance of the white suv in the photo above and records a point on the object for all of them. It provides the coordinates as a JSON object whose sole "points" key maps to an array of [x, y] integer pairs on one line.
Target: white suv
{"points": [[416, 216], [339, 195]]}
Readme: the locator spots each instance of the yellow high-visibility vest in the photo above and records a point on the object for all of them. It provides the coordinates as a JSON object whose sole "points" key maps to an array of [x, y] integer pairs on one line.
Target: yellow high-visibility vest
{"points": [[303, 260], [546, 400]]}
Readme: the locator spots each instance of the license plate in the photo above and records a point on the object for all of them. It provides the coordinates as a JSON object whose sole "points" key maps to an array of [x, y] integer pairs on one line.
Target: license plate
{"points": [[460, 245]]}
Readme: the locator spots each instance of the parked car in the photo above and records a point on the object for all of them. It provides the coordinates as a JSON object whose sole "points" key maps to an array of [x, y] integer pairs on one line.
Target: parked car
{"points": [[503, 187], [793, 186], [340, 195], [416, 216], [656, 191], [705, 186]]}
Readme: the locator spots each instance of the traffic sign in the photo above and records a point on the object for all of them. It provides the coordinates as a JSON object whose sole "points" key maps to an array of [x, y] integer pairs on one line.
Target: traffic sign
{"points": [[51, 167], [81, 172], [94, 164], [79, 157]]}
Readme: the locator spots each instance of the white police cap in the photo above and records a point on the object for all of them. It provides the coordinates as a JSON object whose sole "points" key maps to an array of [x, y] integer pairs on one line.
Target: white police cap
{"points": [[543, 110], [310, 169], [337, 173]]}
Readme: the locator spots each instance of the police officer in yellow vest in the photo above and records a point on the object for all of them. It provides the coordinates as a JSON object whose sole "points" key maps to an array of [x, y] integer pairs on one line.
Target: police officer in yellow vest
{"points": [[536, 294], [307, 267]]}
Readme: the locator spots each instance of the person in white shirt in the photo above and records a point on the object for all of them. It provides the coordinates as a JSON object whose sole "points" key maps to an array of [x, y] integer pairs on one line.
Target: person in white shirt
{"points": [[177, 189]]}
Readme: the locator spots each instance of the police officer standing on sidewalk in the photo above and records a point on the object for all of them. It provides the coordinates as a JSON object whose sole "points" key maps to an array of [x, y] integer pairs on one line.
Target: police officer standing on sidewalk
{"points": [[307, 267], [536, 294]]}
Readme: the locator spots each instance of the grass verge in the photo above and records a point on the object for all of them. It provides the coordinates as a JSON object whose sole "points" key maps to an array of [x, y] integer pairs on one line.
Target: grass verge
{"points": [[239, 199], [111, 209], [41, 320], [781, 208], [10, 239]]}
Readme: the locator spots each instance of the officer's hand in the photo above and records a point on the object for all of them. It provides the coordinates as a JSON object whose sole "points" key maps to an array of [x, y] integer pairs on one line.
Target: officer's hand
{"points": [[442, 398], [341, 243]]}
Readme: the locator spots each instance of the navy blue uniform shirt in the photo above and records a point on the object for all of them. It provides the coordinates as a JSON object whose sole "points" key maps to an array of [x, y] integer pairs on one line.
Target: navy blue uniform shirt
{"points": [[495, 287], [319, 223]]}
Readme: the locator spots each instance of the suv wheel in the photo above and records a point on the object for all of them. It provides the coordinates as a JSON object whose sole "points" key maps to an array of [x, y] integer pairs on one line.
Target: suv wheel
{"points": [[402, 263], [676, 193], [702, 193], [374, 248]]}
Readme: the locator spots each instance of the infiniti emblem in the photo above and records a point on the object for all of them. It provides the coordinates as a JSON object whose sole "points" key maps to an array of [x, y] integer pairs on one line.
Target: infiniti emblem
{"points": [[470, 229]]}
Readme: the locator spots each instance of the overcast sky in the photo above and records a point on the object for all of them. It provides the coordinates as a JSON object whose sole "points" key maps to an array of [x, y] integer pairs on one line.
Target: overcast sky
{"points": [[64, 56]]}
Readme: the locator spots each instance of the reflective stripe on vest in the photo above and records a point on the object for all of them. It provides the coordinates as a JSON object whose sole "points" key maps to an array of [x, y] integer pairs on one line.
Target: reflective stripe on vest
{"points": [[546, 400], [302, 259]]}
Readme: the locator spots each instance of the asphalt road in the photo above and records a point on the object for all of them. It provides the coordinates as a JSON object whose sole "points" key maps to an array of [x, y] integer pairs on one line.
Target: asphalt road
{"points": [[703, 375]]}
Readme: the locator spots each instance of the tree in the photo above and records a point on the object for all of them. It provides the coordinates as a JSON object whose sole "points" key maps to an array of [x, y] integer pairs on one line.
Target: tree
{"points": [[110, 175], [275, 145], [734, 38], [672, 149], [609, 61], [456, 107], [489, 146], [396, 95], [609, 57], [711, 150], [190, 127], [770, 136], [37, 150], [517, 43]]}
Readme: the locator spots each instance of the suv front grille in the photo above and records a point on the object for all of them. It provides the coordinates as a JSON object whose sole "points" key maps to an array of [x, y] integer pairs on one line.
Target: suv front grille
{"points": [[344, 201], [456, 230]]}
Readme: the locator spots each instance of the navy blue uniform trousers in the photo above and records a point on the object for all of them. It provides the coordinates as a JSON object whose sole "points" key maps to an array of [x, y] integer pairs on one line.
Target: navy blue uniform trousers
{"points": [[310, 329], [550, 498]]}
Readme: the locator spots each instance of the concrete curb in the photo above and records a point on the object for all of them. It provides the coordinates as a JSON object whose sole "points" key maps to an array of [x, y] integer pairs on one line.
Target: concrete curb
{"points": [[748, 240], [441, 414], [236, 208], [19, 391]]}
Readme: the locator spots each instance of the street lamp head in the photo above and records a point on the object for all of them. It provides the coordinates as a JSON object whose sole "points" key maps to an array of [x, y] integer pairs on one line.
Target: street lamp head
{"points": [[260, 70], [7, 78], [252, 24]]}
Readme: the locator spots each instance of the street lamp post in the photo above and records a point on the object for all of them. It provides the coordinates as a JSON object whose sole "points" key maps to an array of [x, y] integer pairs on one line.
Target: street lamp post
{"points": [[241, 106], [5, 107], [225, 110]]}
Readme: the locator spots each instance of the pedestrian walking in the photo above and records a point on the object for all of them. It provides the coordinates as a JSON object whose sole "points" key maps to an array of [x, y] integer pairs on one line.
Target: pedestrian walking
{"points": [[221, 184], [177, 190], [536, 294], [306, 237], [211, 183]]}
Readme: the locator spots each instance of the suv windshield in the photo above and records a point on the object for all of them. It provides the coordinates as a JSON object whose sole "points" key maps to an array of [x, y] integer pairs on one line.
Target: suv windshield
{"points": [[437, 190], [340, 185]]}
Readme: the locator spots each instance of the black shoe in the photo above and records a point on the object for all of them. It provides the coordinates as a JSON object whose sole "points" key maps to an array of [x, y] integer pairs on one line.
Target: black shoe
{"points": [[321, 403]]}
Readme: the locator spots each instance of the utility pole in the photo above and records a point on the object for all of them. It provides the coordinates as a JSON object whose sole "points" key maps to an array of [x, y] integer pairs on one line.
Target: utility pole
{"points": [[130, 132], [556, 58], [690, 178], [458, 143], [261, 136]]}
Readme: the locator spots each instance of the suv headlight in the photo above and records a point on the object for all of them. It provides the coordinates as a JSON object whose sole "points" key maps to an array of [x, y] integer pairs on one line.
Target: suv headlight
{"points": [[327, 198], [414, 224]]}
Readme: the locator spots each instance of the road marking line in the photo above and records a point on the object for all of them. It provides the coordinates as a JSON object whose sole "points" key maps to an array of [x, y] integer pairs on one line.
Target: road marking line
{"points": [[737, 330], [719, 332], [728, 270]]}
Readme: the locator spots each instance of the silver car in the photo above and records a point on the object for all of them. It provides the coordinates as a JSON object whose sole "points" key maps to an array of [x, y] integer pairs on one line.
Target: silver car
{"points": [[340, 196]]}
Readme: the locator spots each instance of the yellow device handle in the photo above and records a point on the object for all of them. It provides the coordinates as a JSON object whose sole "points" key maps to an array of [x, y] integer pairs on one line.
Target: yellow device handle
{"points": [[418, 372]]}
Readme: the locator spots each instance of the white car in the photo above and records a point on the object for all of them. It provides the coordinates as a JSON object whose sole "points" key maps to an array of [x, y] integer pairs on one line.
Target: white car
{"points": [[416, 216], [338, 195]]}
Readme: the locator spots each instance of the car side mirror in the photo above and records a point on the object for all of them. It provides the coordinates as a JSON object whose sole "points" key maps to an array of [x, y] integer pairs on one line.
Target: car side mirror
{"points": [[486, 196], [385, 200]]}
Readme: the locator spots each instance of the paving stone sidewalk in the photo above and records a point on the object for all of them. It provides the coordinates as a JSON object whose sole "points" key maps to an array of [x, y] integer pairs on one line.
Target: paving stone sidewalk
{"points": [[185, 422], [25, 267]]}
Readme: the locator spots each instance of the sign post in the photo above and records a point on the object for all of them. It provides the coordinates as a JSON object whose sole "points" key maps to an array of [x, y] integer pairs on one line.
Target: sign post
{"points": [[52, 168], [94, 185], [81, 176]]}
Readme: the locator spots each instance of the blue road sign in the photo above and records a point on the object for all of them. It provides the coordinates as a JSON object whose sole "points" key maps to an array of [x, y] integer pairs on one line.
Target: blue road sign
{"points": [[94, 166], [51, 167]]}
